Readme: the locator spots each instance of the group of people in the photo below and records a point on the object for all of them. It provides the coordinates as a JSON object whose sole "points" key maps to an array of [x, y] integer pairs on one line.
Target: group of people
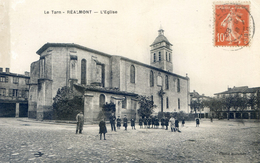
{"points": [[116, 122], [144, 122], [154, 122]]}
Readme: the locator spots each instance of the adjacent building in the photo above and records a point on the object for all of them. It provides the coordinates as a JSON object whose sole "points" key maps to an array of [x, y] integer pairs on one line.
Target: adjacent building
{"points": [[250, 112], [195, 105], [102, 77], [14, 90]]}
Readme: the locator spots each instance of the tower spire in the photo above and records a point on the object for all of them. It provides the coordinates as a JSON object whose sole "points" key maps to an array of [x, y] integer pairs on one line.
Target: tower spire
{"points": [[161, 31]]}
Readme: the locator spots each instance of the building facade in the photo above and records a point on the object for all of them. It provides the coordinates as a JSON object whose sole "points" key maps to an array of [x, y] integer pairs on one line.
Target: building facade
{"points": [[14, 90], [102, 78], [250, 112]]}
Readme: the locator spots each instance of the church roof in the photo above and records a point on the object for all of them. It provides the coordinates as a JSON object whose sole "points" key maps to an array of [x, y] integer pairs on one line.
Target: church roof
{"points": [[47, 45], [161, 38]]}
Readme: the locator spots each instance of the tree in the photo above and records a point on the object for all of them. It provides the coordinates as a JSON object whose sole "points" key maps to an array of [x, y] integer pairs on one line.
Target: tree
{"points": [[146, 106], [254, 102], [107, 110], [196, 105], [66, 104], [227, 103], [214, 104], [241, 104]]}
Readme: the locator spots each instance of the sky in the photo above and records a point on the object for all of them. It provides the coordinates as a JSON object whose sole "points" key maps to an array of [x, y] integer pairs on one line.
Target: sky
{"points": [[188, 25]]}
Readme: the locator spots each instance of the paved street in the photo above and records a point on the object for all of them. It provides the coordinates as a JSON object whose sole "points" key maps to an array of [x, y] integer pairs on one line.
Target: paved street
{"points": [[221, 141]]}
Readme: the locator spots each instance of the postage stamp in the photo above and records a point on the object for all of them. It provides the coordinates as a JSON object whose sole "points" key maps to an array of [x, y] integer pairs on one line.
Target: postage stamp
{"points": [[232, 25]]}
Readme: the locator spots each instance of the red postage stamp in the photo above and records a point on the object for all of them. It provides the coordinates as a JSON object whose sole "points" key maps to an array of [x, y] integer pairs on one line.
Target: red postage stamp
{"points": [[232, 25]]}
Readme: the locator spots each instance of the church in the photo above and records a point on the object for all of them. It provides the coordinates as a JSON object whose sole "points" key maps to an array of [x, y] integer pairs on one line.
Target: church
{"points": [[104, 77]]}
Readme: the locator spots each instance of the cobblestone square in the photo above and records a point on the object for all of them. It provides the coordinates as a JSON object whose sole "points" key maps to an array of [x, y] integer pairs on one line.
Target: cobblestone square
{"points": [[219, 141]]}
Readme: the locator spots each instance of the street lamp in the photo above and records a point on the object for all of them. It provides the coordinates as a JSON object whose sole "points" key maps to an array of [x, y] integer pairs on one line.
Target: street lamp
{"points": [[161, 93]]}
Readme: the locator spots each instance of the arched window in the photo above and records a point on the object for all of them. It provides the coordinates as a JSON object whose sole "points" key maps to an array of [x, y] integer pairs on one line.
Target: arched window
{"points": [[178, 85], [83, 71], [167, 102], [159, 56], [132, 74], [101, 100], [151, 79], [179, 104], [166, 82], [166, 57], [154, 57], [170, 57], [124, 102]]}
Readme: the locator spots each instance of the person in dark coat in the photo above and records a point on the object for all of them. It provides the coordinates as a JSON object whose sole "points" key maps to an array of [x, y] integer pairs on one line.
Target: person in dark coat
{"points": [[145, 122], [162, 122], [153, 121], [112, 119], [197, 122], [125, 122], [156, 122], [211, 119], [183, 122], [141, 123], [149, 122], [177, 125], [133, 123], [118, 122], [166, 123], [102, 128], [80, 122]]}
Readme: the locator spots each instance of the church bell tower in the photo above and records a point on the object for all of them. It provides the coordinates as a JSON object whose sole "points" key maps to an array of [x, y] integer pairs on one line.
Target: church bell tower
{"points": [[161, 52]]}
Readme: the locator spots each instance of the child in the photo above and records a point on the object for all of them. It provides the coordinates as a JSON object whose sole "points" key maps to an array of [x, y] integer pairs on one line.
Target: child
{"points": [[197, 122], [133, 123], [125, 122], [177, 125], [118, 124]]}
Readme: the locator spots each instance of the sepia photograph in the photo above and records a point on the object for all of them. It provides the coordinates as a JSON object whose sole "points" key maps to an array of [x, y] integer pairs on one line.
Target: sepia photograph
{"points": [[129, 81]]}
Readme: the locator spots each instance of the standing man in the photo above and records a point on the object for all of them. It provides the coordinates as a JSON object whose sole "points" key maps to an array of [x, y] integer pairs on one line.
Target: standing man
{"points": [[149, 121], [156, 122], [125, 122], [141, 122], [145, 122], [80, 122], [113, 121], [102, 128], [162, 122], [118, 124], [153, 121], [172, 121], [133, 123], [177, 125]]}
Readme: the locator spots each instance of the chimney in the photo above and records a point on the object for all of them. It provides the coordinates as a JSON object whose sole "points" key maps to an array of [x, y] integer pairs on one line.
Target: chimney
{"points": [[1, 69], [26, 73], [7, 70]]}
